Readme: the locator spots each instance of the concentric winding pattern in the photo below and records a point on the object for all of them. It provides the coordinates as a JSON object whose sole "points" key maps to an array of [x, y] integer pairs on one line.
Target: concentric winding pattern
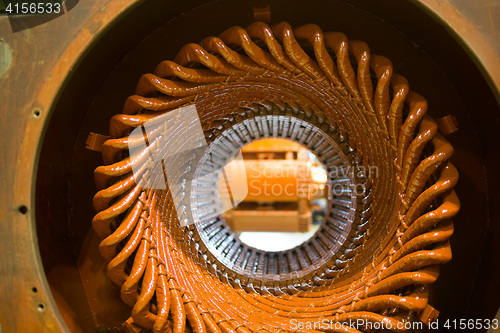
{"points": [[399, 228]]}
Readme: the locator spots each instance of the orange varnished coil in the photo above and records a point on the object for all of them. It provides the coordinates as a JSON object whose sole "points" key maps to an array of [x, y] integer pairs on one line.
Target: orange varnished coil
{"points": [[400, 228]]}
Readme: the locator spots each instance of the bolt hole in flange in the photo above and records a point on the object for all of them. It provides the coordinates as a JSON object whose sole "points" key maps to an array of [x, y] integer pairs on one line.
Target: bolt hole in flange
{"points": [[37, 113], [23, 209]]}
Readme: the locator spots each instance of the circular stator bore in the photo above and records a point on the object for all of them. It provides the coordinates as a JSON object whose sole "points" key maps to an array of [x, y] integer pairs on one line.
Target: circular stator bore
{"points": [[241, 262], [378, 250]]}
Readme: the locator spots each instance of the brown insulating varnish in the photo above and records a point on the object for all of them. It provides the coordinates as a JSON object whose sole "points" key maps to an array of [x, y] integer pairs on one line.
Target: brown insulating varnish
{"points": [[392, 239]]}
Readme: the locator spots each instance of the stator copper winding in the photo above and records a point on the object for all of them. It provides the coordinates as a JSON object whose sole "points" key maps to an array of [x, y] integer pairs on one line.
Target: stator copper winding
{"points": [[376, 254]]}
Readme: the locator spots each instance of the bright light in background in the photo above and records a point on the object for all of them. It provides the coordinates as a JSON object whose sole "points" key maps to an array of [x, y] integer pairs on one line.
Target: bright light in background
{"points": [[319, 175], [276, 241]]}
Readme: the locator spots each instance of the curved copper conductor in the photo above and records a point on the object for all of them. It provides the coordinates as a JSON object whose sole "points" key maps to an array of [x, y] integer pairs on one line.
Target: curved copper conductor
{"points": [[377, 253]]}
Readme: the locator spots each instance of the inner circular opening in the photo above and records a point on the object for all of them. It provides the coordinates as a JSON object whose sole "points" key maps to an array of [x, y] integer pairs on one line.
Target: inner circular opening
{"points": [[287, 195], [269, 148]]}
